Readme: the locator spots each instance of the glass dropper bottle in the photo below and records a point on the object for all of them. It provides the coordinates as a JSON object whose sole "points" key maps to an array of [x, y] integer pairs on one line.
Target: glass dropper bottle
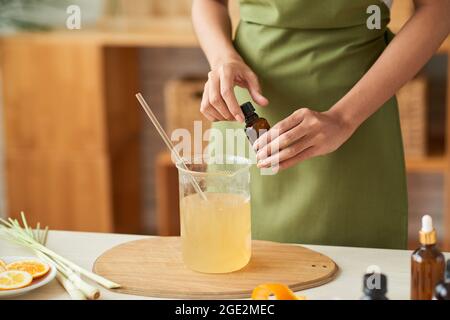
{"points": [[255, 126]]}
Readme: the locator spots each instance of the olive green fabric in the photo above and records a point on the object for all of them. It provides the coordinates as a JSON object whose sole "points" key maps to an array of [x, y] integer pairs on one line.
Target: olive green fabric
{"points": [[310, 53]]}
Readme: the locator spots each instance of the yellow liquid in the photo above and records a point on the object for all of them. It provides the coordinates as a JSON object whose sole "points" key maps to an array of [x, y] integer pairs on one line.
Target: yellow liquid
{"points": [[215, 234]]}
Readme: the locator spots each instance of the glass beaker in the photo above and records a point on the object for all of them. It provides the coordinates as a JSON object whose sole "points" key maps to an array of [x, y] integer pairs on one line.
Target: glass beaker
{"points": [[216, 231]]}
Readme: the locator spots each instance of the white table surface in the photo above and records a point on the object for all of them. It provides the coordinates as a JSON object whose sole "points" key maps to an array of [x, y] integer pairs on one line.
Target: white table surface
{"points": [[83, 248]]}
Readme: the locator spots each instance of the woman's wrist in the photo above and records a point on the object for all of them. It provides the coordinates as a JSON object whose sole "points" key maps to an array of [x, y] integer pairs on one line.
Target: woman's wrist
{"points": [[225, 57], [345, 116]]}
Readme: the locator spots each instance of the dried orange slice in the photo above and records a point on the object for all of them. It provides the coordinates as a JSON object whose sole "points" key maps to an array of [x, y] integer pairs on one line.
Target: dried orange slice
{"points": [[280, 291], [2, 266], [14, 279], [34, 267]]}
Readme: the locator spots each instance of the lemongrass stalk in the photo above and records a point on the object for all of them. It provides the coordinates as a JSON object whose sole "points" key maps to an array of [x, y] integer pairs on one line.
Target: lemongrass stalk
{"points": [[95, 277], [10, 235], [11, 221], [37, 233], [44, 236], [71, 266], [25, 224], [89, 291], [72, 288], [99, 279], [24, 236], [70, 278], [73, 291], [5, 222]]}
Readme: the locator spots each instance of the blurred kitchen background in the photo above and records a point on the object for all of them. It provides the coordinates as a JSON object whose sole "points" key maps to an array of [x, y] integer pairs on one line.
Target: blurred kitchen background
{"points": [[77, 153]]}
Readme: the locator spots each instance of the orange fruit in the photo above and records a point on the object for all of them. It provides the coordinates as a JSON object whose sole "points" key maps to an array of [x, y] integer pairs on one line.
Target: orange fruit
{"points": [[14, 279], [34, 267], [2, 266], [280, 291]]}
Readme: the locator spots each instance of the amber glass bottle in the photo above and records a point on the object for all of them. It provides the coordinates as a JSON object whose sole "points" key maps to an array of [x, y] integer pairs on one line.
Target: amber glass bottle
{"points": [[254, 125], [427, 263]]}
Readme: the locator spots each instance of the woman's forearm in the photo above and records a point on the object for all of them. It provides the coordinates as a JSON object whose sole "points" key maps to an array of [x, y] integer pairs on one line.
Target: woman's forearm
{"points": [[402, 59], [213, 27]]}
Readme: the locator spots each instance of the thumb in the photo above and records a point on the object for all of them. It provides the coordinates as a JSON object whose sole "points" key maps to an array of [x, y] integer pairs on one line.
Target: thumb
{"points": [[255, 89]]}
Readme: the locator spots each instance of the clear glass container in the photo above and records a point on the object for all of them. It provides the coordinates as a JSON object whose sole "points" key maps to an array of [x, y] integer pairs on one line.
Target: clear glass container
{"points": [[216, 232]]}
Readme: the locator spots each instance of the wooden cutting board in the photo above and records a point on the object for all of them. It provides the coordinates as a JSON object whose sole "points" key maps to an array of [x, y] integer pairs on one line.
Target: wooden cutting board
{"points": [[153, 267]]}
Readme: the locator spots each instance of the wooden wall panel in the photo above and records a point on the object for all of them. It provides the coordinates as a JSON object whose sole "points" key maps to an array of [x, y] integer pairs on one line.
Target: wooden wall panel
{"points": [[167, 192], [66, 193], [125, 189], [123, 119], [120, 79], [57, 168], [52, 93], [71, 126]]}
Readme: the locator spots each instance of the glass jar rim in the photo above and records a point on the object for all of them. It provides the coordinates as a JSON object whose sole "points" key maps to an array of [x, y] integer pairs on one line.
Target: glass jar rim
{"points": [[229, 159]]}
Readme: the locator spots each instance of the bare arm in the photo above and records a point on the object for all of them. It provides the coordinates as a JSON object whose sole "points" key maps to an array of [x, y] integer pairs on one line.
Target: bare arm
{"points": [[306, 133], [213, 28], [403, 58]]}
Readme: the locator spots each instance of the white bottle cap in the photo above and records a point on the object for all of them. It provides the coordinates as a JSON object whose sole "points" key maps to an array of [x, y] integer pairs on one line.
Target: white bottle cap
{"points": [[427, 224]]}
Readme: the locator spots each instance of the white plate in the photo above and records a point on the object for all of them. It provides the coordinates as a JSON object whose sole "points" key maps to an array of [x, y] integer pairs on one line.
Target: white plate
{"points": [[42, 281]]}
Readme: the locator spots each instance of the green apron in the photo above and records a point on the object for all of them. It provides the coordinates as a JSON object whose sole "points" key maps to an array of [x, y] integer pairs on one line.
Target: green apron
{"points": [[310, 53]]}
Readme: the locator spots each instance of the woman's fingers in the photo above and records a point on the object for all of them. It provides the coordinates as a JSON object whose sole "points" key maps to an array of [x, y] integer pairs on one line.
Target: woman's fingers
{"points": [[207, 109], [215, 98], [255, 89], [302, 156], [281, 127], [321, 133], [219, 91], [287, 153], [281, 142], [227, 93], [212, 115]]}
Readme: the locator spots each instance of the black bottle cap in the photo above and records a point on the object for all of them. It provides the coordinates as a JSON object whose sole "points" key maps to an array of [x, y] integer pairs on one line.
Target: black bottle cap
{"points": [[248, 109], [374, 284]]}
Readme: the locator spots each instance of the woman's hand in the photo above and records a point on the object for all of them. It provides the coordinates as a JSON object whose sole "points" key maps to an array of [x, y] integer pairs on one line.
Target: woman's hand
{"points": [[302, 135], [218, 101]]}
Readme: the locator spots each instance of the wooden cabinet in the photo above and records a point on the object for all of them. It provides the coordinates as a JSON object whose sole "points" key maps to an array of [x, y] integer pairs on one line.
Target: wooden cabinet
{"points": [[72, 124], [71, 128]]}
